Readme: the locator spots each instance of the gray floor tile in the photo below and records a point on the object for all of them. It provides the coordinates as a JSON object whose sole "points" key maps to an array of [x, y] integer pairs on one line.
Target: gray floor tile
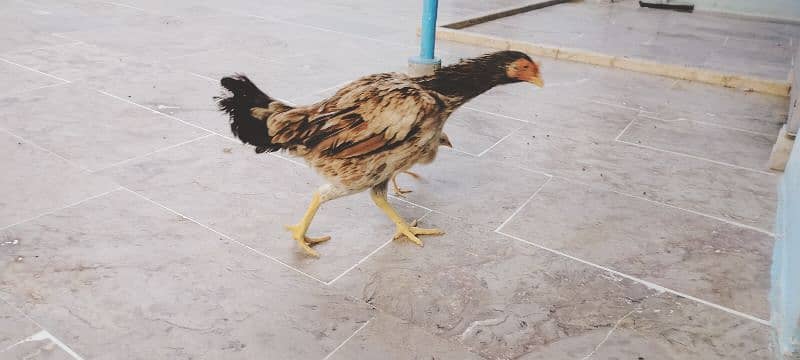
{"points": [[672, 100], [702, 257], [505, 299], [35, 181], [166, 89], [703, 140], [472, 189], [389, 338], [725, 192], [251, 197], [125, 277], [90, 128]]}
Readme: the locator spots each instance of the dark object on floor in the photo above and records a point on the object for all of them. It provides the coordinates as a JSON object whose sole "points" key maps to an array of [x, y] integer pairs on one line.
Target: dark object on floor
{"points": [[667, 5]]}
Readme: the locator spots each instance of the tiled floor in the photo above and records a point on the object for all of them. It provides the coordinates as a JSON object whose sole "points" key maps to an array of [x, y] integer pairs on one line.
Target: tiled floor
{"points": [[609, 215], [622, 28]]}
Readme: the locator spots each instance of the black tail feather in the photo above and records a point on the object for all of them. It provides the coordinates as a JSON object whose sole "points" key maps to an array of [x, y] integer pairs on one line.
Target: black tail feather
{"points": [[245, 96]]}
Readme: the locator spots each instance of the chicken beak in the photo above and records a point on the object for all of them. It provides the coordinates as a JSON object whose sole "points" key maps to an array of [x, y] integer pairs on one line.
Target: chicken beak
{"points": [[536, 81]]}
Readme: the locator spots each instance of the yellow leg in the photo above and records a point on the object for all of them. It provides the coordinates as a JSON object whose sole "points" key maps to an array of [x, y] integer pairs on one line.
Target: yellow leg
{"points": [[299, 230], [403, 228]]}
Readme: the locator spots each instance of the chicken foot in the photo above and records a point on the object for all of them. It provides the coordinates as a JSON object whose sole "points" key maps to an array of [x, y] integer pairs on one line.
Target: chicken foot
{"points": [[410, 231], [299, 230]]}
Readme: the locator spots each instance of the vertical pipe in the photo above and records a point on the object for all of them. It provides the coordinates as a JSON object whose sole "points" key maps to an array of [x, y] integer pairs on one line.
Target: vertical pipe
{"points": [[428, 33]]}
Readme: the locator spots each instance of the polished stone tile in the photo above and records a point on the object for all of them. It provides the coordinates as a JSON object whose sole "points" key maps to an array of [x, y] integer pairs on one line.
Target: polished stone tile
{"points": [[13, 325], [702, 257], [389, 338], [733, 194], [465, 187], [166, 89], [17, 79], [672, 100], [35, 181], [89, 128], [505, 299], [666, 327], [708, 141], [250, 198], [71, 62], [579, 117], [120, 275]]}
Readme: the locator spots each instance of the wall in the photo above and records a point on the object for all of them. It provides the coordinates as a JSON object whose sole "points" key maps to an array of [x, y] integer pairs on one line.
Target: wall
{"points": [[785, 296]]}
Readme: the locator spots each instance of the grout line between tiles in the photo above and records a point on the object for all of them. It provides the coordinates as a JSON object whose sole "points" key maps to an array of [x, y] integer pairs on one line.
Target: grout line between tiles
{"points": [[646, 283], [524, 204], [625, 129], [151, 153], [125, 6], [54, 46], [696, 158], [32, 90], [370, 254], [61, 208], [202, 77], [621, 106], [708, 124], [496, 114], [608, 335], [34, 70], [42, 148], [162, 114], [498, 142], [462, 152], [254, 250], [346, 340]]}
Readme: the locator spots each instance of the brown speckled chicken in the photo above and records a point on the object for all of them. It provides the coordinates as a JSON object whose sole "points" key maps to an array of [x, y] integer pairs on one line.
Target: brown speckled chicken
{"points": [[370, 130]]}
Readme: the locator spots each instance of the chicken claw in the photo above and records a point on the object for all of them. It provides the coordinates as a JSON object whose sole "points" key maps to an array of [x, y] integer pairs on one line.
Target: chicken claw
{"points": [[398, 191], [411, 231], [306, 242]]}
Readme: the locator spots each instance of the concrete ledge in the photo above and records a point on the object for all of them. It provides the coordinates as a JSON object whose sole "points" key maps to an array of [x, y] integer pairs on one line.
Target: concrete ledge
{"points": [[747, 83], [501, 13], [781, 150]]}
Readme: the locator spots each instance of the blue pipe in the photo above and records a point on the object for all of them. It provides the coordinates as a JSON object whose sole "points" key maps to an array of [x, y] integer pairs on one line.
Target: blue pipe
{"points": [[428, 34]]}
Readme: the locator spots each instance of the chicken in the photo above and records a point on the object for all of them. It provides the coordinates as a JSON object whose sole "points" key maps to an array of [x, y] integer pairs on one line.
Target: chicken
{"points": [[398, 191], [370, 130]]}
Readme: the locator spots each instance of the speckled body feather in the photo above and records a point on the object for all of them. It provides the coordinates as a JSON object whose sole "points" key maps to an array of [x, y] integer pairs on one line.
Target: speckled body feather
{"points": [[370, 129]]}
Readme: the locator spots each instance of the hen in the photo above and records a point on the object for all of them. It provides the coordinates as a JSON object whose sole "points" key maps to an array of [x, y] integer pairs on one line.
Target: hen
{"points": [[370, 130]]}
